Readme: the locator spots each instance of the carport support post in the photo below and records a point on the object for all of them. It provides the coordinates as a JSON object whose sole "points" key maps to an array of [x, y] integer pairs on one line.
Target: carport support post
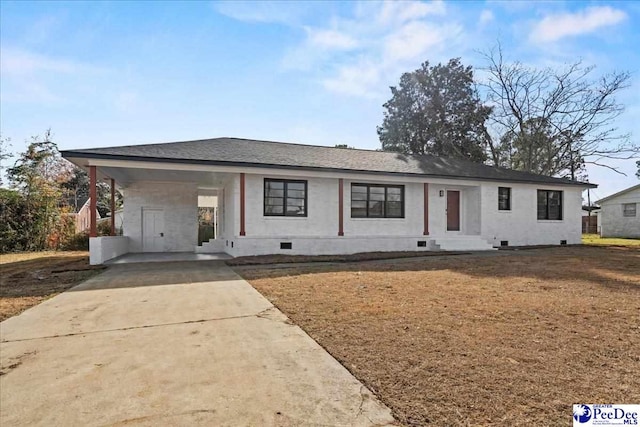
{"points": [[242, 230], [340, 207], [113, 207], [426, 210], [93, 232]]}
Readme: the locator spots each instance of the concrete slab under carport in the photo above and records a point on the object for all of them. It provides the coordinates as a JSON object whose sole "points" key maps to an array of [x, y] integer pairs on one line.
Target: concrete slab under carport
{"points": [[172, 344], [131, 258]]}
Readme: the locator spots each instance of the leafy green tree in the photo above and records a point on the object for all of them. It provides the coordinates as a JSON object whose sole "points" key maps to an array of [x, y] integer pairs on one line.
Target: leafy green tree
{"points": [[436, 110], [13, 211], [5, 143]]}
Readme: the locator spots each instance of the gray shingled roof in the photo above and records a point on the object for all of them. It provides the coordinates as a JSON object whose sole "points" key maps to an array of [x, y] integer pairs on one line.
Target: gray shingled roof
{"points": [[619, 193], [246, 152]]}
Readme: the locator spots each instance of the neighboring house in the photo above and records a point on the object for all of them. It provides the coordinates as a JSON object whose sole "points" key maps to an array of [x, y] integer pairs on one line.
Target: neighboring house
{"points": [[119, 219], [279, 198], [618, 215], [82, 217]]}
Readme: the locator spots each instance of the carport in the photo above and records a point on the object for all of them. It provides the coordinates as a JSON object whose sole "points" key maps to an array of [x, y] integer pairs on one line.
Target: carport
{"points": [[162, 207]]}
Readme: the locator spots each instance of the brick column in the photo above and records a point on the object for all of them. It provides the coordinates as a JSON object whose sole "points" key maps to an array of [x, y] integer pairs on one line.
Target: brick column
{"points": [[93, 230]]}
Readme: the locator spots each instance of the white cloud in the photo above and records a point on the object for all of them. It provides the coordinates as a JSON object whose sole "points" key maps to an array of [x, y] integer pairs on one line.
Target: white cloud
{"points": [[20, 62], [357, 79], [402, 11], [330, 39], [413, 40], [30, 77], [363, 54], [555, 27], [282, 12], [486, 17]]}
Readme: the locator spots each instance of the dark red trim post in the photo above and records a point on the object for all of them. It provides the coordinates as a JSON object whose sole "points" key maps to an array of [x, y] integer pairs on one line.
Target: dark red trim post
{"points": [[426, 209], [242, 231], [93, 230], [340, 207], [113, 207]]}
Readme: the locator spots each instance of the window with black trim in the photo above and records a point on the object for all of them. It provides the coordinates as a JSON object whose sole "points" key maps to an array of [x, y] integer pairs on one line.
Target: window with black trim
{"points": [[504, 198], [549, 204], [377, 201], [628, 209], [284, 197]]}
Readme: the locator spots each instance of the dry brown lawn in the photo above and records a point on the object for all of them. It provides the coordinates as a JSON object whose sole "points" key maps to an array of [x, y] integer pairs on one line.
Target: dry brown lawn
{"points": [[26, 279], [512, 338]]}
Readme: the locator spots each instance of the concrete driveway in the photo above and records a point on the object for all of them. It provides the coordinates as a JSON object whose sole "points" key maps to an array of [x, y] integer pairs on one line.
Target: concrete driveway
{"points": [[177, 343]]}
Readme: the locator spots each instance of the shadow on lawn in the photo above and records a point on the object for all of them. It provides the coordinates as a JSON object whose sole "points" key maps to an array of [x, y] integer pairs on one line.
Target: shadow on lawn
{"points": [[613, 267]]}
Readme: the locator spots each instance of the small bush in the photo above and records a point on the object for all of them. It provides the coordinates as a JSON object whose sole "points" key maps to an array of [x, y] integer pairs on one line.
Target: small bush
{"points": [[104, 228], [80, 241], [77, 242]]}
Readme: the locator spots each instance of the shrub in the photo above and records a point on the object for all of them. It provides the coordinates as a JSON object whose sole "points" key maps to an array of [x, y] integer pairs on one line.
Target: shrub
{"points": [[104, 228], [77, 242]]}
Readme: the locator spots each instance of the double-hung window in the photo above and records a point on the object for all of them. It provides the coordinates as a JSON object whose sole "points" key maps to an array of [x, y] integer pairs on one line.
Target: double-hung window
{"points": [[284, 197], [504, 198], [377, 201], [628, 209], [549, 204]]}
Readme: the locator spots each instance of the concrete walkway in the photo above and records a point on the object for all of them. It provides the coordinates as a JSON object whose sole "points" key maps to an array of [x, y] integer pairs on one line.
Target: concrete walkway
{"points": [[176, 343]]}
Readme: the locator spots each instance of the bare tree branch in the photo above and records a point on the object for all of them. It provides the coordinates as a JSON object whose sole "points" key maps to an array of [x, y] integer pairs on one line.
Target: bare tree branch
{"points": [[554, 121]]}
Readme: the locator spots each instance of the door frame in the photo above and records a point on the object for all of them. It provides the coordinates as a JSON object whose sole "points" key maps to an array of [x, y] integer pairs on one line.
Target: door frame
{"points": [[460, 210], [145, 209]]}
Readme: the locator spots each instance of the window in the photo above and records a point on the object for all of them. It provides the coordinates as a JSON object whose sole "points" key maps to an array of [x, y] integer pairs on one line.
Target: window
{"points": [[504, 198], [549, 204], [377, 201], [285, 197], [628, 209]]}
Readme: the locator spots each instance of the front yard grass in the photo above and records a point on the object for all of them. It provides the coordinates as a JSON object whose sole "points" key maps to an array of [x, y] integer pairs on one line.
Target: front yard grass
{"points": [[26, 279], [510, 338], [595, 239]]}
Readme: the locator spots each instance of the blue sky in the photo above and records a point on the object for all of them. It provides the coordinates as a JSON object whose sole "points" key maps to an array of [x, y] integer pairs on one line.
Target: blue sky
{"points": [[116, 73]]}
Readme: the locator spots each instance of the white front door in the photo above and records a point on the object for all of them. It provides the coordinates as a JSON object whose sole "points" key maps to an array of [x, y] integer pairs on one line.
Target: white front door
{"points": [[152, 230]]}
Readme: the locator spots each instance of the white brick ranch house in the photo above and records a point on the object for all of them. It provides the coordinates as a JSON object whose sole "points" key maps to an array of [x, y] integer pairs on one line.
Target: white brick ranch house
{"points": [[618, 215], [277, 197]]}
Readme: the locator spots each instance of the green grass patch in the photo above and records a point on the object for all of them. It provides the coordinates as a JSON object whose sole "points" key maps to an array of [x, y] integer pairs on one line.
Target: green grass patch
{"points": [[595, 239]]}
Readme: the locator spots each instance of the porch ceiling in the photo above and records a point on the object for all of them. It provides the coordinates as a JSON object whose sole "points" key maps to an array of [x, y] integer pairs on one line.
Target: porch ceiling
{"points": [[126, 176]]}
